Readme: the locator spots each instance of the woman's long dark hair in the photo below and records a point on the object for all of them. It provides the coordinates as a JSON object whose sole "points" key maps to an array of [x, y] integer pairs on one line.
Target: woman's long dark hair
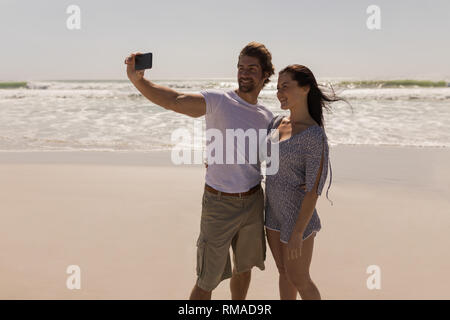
{"points": [[317, 100]]}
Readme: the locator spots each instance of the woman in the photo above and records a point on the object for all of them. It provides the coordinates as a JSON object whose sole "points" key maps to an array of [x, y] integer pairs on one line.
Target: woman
{"points": [[291, 194]]}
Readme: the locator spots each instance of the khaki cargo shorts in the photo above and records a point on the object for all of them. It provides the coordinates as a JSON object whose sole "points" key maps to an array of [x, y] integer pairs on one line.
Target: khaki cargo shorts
{"points": [[229, 221]]}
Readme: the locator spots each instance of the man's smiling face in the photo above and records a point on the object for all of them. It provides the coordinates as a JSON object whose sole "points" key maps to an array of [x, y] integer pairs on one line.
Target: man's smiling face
{"points": [[250, 76]]}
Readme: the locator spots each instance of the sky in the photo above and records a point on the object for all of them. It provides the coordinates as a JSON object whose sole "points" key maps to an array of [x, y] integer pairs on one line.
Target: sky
{"points": [[202, 39]]}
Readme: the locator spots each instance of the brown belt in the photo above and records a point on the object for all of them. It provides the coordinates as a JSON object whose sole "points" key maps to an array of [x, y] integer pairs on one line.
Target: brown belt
{"points": [[239, 194]]}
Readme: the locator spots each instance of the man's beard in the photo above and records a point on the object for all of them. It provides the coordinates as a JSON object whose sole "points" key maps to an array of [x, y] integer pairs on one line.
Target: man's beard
{"points": [[247, 87]]}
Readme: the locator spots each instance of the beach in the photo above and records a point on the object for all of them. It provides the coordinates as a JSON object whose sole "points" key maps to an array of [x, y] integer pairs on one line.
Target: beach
{"points": [[130, 221], [95, 205]]}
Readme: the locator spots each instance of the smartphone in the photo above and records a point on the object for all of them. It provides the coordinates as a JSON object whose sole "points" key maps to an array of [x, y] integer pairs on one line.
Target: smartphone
{"points": [[143, 61]]}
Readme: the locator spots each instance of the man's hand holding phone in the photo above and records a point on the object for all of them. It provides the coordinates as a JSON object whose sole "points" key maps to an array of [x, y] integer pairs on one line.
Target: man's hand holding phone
{"points": [[136, 65]]}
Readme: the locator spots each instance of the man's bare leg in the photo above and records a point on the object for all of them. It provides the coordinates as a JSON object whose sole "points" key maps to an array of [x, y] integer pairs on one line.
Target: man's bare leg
{"points": [[200, 294], [239, 284]]}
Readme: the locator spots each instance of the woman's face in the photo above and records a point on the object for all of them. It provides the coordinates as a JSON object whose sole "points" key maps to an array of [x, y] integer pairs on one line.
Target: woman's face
{"points": [[289, 93]]}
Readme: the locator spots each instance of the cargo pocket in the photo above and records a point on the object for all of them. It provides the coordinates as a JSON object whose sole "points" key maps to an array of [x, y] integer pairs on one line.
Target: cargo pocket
{"points": [[264, 247], [205, 199], [201, 250]]}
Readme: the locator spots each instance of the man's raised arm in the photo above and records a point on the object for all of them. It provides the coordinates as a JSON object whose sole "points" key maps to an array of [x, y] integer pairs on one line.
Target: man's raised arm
{"points": [[193, 104]]}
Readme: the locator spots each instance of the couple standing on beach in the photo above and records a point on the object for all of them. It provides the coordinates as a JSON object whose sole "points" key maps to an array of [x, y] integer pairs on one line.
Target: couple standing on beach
{"points": [[234, 207]]}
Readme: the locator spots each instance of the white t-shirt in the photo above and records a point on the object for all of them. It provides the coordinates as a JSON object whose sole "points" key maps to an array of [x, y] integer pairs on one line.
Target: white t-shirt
{"points": [[226, 110]]}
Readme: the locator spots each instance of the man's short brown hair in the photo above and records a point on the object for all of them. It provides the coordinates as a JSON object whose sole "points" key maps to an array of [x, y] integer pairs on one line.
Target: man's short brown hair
{"points": [[258, 50]]}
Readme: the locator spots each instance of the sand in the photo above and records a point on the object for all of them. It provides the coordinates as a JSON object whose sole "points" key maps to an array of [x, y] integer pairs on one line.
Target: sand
{"points": [[130, 222]]}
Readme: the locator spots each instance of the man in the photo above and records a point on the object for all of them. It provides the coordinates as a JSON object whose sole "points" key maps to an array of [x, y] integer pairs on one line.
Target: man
{"points": [[233, 200]]}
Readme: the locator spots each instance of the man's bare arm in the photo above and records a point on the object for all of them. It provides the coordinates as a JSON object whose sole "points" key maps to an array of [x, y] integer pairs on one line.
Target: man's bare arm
{"points": [[193, 104]]}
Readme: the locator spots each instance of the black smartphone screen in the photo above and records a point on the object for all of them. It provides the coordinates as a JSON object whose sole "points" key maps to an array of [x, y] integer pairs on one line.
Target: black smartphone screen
{"points": [[143, 61]]}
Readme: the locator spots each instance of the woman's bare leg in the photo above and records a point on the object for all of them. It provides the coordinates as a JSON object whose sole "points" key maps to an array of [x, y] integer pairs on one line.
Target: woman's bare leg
{"points": [[287, 290], [297, 270]]}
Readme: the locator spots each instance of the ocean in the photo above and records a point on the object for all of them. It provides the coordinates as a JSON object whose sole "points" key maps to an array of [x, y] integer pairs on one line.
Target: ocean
{"points": [[113, 116]]}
